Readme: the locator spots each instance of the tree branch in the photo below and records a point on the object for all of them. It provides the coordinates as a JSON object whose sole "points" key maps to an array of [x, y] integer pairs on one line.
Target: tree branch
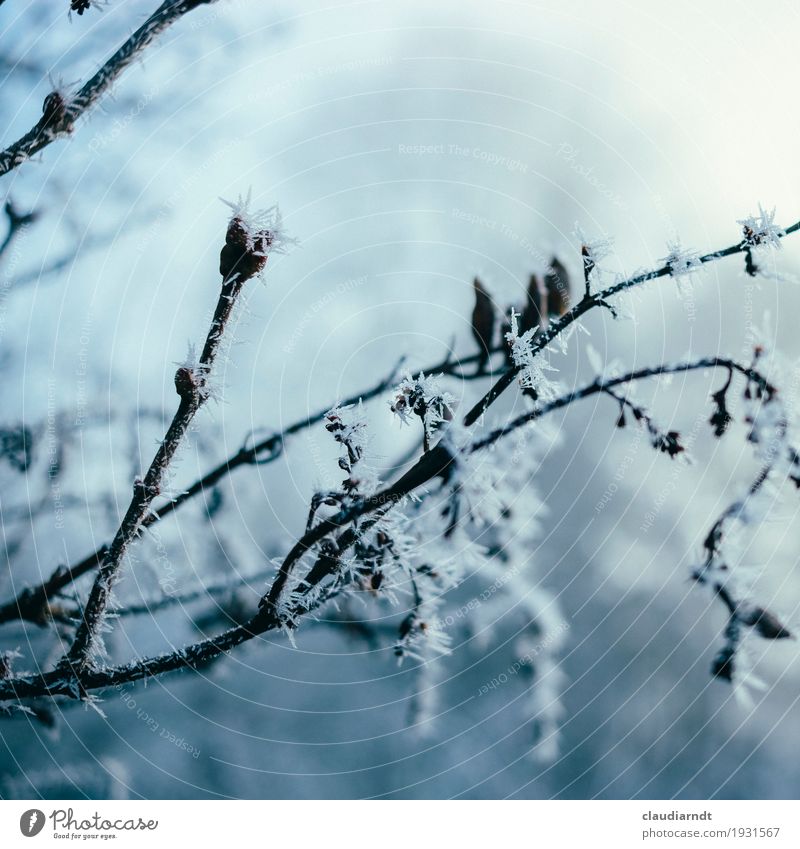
{"points": [[603, 386], [243, 256], [17, 222], [60, 113], [31, 603]]}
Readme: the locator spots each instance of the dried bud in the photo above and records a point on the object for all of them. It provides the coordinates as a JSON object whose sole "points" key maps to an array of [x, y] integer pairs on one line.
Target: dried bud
{"points": [[483, 321], [669, 443], [245, 252], [722, 665], [410, 399], [588, 261], [333, 422], [720, 418], [766, 624], [188, 383], [54, 110], [535, 309], [556, 283]]}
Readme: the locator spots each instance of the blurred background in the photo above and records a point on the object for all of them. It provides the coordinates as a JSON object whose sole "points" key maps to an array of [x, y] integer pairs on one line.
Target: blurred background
{"points": [[410, 146]]}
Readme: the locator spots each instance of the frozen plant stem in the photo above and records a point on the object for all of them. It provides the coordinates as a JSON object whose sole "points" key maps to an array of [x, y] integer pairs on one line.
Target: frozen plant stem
{"points": [[60, 113], [242, 257], [438, 463]]}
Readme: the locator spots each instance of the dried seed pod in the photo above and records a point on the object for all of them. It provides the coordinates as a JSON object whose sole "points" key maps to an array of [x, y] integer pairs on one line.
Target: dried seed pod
{"points": [[483, 321], [556, 283], [535, 310], [765, 623], [244, 252], [722, 665]]}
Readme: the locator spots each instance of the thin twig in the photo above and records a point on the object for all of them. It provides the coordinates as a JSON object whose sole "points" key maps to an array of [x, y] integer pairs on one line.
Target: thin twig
{"points": [[608, 384], [588, 302], [438, 461], [191, 383], [60, 113]]}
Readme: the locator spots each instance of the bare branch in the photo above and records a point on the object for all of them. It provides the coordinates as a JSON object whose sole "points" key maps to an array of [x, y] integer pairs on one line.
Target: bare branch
{"points": [[32, 603], [438, 462], [60, 113], [603, 386], [243, 256]]}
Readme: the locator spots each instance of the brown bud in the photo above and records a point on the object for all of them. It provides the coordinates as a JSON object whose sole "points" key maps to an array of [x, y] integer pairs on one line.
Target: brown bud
{"points": [[766, 624], [54, 110], [588, 262], [187, 383], [535, 306], [483, 321], [556, 283], [244, 253]]}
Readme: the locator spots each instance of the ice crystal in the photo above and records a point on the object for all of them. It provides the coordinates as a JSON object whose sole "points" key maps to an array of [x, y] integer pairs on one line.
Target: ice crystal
{"points": [[531, 365], [679, 260], [761, 230]]}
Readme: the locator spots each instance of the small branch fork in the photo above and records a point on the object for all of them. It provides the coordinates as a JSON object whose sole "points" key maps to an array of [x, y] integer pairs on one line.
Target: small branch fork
{"points": [[33, 603], [61, 113], [715, 572], [17, 223]]}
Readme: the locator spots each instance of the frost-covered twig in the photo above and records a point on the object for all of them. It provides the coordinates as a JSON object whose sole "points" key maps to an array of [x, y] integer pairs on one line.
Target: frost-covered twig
{"points": [[243, 256], [360, 514], [30, 601], [606, 385], [59, 682], [439, 462], [601, 299], [61, 111], [715, 570]]}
